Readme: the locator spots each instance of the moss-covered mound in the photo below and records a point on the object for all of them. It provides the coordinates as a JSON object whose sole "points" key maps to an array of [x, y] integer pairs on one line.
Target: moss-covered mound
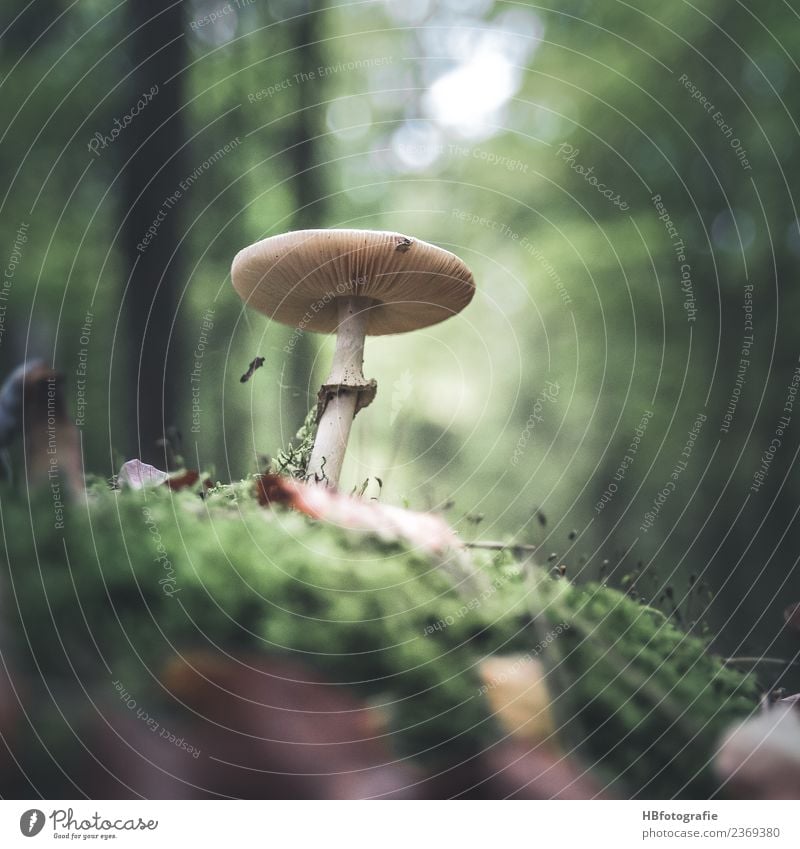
{"points": [[639, 699], [134, 579]]}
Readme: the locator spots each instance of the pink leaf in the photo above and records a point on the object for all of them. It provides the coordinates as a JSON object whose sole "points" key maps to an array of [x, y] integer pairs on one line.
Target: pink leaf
{"points": [[138, 475]]}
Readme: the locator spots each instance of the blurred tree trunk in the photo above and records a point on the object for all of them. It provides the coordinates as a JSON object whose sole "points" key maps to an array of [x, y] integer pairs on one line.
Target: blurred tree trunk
{"points": [[153, 147], [308, 189]]}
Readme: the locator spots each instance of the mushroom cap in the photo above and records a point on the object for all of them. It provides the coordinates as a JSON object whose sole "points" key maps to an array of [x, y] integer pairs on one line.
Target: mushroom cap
{"points": [[296, 278]]}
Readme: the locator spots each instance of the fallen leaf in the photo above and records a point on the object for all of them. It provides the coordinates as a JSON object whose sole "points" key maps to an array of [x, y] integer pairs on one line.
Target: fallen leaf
{"points": [[183, 480], [421, 530], [138, 475]]}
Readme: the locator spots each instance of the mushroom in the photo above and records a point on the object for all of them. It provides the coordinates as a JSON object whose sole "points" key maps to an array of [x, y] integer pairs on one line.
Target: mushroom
{"points": [[354, 283]]}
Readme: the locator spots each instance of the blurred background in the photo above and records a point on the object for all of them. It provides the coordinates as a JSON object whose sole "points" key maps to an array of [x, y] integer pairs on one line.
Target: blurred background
{"points": [[619, 177]]}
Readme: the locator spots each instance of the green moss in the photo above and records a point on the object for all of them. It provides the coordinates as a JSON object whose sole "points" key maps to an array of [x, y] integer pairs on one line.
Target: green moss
{"points": [[136, 578], [639, 697]]}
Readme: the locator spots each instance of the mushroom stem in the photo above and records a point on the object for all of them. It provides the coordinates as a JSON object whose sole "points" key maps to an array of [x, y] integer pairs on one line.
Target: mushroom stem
{"points": [[333, 430]]}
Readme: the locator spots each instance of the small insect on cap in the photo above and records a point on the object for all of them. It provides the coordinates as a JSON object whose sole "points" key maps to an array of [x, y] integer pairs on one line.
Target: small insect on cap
{"points": [[296, 278]]}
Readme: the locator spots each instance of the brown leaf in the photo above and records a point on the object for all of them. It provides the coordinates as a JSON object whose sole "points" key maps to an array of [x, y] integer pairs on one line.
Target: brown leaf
{"points": [[183, 480], [420, 530]]}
